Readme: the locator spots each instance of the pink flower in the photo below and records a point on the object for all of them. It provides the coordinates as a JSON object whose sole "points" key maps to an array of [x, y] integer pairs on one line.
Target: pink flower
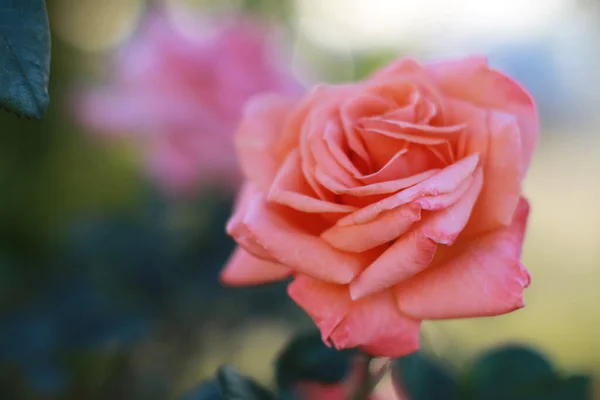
{"points": [[181, 96], [390, 201]]}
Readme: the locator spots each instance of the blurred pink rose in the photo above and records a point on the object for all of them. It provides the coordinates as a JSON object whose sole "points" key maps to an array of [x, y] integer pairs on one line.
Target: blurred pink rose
{"points": [[182, 95]]}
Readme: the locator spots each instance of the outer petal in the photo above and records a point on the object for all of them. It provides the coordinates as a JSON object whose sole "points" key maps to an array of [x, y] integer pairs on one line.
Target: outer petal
{"points": [[376, 325], [284, 240], [327, 304], [414, 251], [257, 137], [239, 231], [496, 138], [485, 278], [244, 269], [471, 79], [502, 175]]}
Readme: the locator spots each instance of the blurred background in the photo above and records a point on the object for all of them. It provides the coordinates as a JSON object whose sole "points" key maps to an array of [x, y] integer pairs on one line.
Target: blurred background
{"points": [[112, 235]]}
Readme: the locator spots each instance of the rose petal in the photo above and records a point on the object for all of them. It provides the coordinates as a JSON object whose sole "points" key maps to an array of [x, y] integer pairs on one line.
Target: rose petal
{"points": [[355, 108], [484, 279], [445, 225], [394, 168], [503, 174], [405, 70], [383, 229], [297, 249], [290, 134], [325, 160], [315, 124], [312, 294], [385, 131], [382, 151], [421, 134], [443, 201], [239, 231], [257, 136], [471, 79], [495, 137], [336, 143], [409, 255], [375, 188], [291, 189], [243, 269], [445, 181], [414, 251], [443, 152], [376, 325]]}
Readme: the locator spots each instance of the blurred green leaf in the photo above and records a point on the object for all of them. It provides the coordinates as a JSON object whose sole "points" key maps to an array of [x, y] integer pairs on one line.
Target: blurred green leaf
{"points": [[577, 387], [24, 57], [421, 378], [307, 358], [236, 387], [511, 372]]}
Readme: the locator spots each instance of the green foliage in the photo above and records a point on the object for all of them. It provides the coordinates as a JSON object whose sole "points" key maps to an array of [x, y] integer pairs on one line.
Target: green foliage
{"points": [[506, 373], [237, 387], [24, 57], [423, 379], [520, 373], [307, 358], [229, 385]]}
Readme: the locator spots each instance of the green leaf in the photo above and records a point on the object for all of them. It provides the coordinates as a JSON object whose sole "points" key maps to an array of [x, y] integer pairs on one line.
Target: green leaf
{"points": [[307, 358], [511, 372], [577, 387], [421, 378], [24, 57], [236, 387]]}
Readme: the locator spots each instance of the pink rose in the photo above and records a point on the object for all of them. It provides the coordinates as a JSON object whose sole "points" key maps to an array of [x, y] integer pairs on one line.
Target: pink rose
{"points": [[390, 201], [181, 96]]}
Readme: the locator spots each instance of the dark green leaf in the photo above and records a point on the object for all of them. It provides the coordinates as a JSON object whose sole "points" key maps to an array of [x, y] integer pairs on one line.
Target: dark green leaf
{"points": [[509, 373], [576, 387], [307, 358], [24, 57], [421, 378], [236, 387]]}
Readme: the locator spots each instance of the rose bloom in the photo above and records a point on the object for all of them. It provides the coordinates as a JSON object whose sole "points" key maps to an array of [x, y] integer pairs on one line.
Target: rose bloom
{"points": [[389, 201], [181, 96]]}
